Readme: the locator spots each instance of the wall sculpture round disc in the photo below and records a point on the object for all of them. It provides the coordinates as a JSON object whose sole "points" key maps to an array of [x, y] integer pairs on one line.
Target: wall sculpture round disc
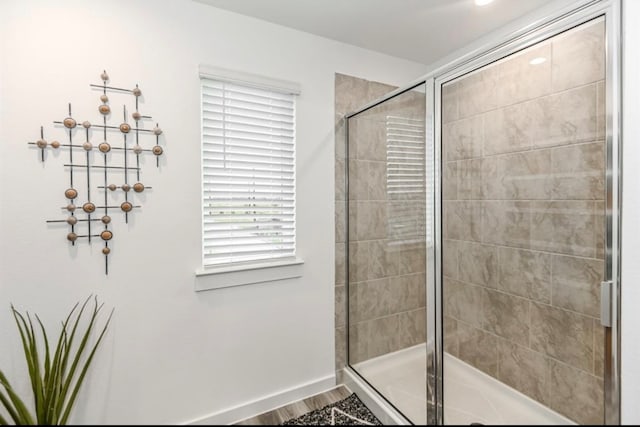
{"points": [[104, 147], [137, 149], [72, 237], [138, 187], [86, 124], [89, 207], [87, 146], [71, 193], [136, 91], [104, 98], [106, 250], [41, 143], [106, 235], [104, 109], [55, 144], [157, 150], [112, 187], [125, 187], [69, 123], [71, 207], [126, 206], [136, 115], [125, 128], [105, 219], [72, 220]]}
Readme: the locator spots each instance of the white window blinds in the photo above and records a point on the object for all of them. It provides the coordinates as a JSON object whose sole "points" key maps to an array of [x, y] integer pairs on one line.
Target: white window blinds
{"points": [[248, 173], [406, 187]]}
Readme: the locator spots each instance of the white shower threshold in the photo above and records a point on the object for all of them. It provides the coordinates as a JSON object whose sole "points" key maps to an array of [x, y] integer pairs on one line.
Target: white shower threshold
{"points": [[470, 396]]}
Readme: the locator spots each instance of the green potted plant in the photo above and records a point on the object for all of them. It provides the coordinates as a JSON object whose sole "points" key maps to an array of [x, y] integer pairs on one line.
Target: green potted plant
{"points": [[56, 380]]}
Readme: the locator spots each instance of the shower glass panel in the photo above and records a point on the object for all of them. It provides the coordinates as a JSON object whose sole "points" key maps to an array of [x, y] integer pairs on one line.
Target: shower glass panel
{"points": [[523, 214], [387, 250]]}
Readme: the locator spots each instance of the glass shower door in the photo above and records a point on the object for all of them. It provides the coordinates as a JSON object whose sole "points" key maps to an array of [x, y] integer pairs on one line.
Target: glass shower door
{"points": [[386, 286], [523, 229]]}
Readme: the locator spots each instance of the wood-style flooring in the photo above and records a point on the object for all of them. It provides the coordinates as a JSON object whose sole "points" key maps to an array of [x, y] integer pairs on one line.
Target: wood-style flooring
{"points": [[295, 409]]}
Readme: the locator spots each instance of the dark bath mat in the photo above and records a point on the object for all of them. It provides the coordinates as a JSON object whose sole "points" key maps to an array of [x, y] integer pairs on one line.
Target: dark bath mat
{"points": [[348, 411]]}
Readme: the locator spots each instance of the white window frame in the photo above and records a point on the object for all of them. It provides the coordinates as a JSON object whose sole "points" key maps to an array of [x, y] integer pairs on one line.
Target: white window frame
{"points": [[259, 271]]}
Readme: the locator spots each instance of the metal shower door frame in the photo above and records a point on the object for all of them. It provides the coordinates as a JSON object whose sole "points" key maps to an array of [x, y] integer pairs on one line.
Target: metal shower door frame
{"points": [[574, 15]]}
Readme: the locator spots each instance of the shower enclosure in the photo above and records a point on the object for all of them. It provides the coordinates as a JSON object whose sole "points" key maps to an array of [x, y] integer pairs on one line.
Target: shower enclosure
{"points": [[482, 216]]}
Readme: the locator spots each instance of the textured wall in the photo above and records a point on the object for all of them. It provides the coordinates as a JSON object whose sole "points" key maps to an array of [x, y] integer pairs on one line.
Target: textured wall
{"points": [[387, 262], [194, 354], [350, 94], [523, 184]]}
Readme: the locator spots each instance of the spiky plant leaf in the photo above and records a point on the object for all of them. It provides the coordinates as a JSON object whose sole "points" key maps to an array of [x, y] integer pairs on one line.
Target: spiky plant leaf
{"points": [[54, 383]]}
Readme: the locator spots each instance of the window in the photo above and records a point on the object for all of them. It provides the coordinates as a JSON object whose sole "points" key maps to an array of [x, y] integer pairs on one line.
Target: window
{"points": [[406, 179], [248, 169]]}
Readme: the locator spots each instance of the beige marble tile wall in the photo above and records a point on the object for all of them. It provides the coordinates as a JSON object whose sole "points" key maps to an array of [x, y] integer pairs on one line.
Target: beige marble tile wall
{"points": [[523, 221], [350, 94], [387, 228], [387, 282]]}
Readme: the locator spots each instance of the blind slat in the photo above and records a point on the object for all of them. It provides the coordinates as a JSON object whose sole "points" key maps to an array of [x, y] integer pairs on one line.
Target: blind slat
{"points": [[248, 172]]}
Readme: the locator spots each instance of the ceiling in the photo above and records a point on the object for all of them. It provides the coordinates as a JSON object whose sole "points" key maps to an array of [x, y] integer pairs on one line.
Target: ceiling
{"points": [[419, 30]]}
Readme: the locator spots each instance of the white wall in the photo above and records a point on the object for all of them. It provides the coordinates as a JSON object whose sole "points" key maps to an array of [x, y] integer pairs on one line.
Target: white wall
{"points": [[171, 355], [630, 213]]}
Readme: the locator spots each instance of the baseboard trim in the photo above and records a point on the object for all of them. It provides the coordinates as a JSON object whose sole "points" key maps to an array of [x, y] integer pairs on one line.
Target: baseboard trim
{"points": [[266, 403]]}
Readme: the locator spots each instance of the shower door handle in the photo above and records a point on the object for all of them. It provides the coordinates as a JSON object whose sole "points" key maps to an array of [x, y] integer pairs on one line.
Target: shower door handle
{"points": [[606, 298]]}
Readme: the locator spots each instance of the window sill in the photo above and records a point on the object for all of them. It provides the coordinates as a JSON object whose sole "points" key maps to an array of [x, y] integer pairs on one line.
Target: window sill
{"points": [[248, 274]]}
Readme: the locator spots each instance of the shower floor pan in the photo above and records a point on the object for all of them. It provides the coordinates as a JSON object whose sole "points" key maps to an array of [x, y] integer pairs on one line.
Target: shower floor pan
{"points": [[470, 396]]}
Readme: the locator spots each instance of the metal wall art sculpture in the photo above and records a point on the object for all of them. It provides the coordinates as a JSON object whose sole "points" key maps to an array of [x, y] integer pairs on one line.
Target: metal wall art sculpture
{"points": [[89, 212]]}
